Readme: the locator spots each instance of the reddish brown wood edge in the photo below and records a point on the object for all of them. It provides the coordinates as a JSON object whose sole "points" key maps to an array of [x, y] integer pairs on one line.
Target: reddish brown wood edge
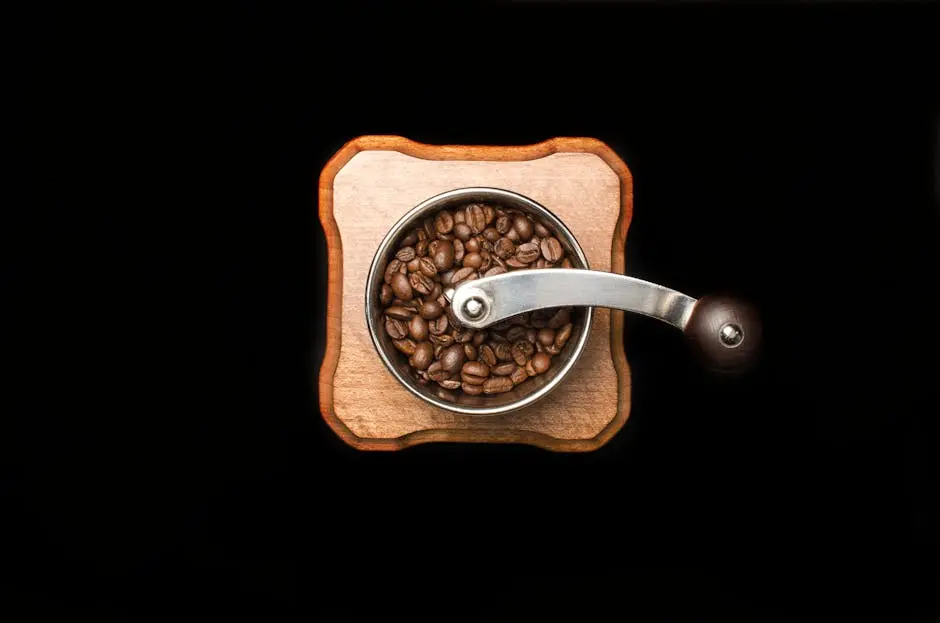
{"points": [[335, 288]]}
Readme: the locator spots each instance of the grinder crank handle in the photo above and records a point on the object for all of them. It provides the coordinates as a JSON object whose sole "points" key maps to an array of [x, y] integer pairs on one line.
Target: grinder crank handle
{"points": [[726, 332]]}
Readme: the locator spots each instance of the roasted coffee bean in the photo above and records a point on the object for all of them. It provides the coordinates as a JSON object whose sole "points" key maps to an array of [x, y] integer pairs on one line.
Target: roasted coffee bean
{"points": [[385, 294], [459, 251], [496, 270], [503, 351], [446, 278], [552, 250], [552, 350], [531, 335], [546, 337], [464, 274], [476, 368], [450, 384], [487, 261], [490, 213], [541, 362], [513, 262], [479, 337], [519, 352], [541, 231], [428, 268], [540, 317], [504, 248], [566, 263], [422, 380], [443, 339], [462, 231], [491, 235], [418, 328], [476, 218], [394, 267], [559, 319], [497, 385], [472, 379], [438, 326], [422, 235], [421, 283], [423, 356], [401, 287], [472, 260], [536, 241], [396, 329], [487, 355], [462, 336], [503, 369], [431, 310], [452, 359], [515, 333], [414, 265], [409, 305], [530, 369], [459, 217], [405, 254], [444, 222], [436, 372], [523, 227], [512, 235], [527, 253], [429, 229], [471, 390], [472, 246], [518, 375], [421, 249], [409, 240], [561, 338], [406, 346], [436, 292], [470, 352], [399, 313], [503, 224]]}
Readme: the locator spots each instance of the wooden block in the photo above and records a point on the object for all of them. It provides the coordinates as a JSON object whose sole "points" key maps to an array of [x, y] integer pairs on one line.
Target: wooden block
{"points": [[374, 180]]}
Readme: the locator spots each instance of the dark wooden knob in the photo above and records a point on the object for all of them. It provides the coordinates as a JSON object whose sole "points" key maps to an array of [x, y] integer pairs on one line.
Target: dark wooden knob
{"points": [[726, 333]]}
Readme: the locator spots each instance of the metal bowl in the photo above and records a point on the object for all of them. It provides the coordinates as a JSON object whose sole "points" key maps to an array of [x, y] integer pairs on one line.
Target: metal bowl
{"points": [[525, 393]]}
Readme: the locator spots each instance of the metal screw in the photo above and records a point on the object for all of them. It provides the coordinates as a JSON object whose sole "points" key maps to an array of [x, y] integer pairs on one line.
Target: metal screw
{"points": [[473, 308], [731, 335]]}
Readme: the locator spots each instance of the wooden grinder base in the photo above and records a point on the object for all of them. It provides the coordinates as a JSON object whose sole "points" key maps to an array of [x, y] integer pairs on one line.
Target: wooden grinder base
{"points": [[374, 180]]}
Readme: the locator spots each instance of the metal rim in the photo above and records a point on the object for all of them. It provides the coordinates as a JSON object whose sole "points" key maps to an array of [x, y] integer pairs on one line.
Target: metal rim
{"points": [[433, 203]]}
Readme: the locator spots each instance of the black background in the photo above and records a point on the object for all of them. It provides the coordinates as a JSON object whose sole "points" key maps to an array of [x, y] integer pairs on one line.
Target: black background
{"points": [[172, 459]]}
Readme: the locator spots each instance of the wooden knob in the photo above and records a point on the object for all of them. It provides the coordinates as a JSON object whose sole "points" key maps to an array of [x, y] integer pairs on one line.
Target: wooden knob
{"points": [[726, 333]]}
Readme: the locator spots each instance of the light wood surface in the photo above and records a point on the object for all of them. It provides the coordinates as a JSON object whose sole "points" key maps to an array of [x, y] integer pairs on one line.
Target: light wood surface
{"points": [[367, 186]]}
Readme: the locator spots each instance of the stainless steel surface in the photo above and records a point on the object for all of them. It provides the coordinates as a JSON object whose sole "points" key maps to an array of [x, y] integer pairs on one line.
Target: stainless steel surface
{"points": [[509, 294], [731, 335], [525, 394]]}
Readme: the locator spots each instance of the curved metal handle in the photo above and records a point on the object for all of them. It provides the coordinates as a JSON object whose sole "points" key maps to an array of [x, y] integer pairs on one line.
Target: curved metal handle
{"points": [[483, 302], [727, 332]]}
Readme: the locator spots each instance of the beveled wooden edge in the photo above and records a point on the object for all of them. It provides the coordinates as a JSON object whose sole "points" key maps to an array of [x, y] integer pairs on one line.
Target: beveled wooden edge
{"points": [[335, 286]]}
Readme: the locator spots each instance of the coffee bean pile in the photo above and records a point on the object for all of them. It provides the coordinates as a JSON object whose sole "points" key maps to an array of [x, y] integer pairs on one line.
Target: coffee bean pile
{"points": [[451, 248]]}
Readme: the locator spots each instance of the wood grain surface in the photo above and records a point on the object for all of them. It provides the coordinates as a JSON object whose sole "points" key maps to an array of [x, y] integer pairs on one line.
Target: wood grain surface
{"points": [[367, 186]]}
